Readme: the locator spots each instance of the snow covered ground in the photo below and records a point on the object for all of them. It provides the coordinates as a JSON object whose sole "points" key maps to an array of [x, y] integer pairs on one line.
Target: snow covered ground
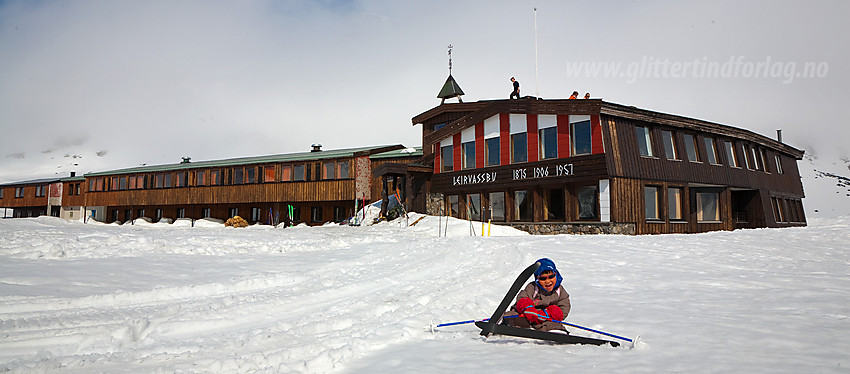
{"points": [[78, 298]]}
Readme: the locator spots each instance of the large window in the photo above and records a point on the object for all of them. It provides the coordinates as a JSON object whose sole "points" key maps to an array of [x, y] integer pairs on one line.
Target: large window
{"points": [[298, 172], [581, 138], [238, 175], [548, 143], [644, 141], [691, 148], [447, 158], [473, 207], [200, 179], [39, 191], [707, 209], [711, 151], [250, 175], [343, 170], [329, 170], [19, 192], [454, 206], [674, 203], [519, 147], [587, 201], [492, 148], [268, 174], [286, 173], [497, 206], [468, 153], [730, 154], [670, 150], [316, 214], [522, 206], [652, 203]]}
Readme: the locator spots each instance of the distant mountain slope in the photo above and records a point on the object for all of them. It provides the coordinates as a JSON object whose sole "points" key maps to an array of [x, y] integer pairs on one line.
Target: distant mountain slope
{"points": [[826, 182]]}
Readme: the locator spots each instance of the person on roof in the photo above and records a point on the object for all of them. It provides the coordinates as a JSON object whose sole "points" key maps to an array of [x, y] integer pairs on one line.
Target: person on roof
{"points": [[542, 301], [515, 92], [574, 96], [587, 95]]}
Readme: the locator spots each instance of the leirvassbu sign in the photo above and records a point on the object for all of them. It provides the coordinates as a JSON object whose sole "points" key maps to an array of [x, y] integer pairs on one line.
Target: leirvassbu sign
{"points": [[516, 174]]}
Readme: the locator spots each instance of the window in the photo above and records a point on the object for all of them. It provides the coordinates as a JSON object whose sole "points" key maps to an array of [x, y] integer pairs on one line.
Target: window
{"points": [[748, 157], [674, 203], [238, 175], [316, 214], [205, 213], [497, 206], [651, 203], [329, 170], [285, 173], [100, 184], [473, 206], [519, 147], [548, 143], [1, 193], [343, 170], [158, 215], [215, 177], [76, 188], [522, 206], [122, 183], [133, 180], [140, 213], [181, 213], [256, 214], [777, 213], [200, 178], [492, 148], [730, 154], [763, 160], [468, 155], [580, 138], [757, 161], [298, 173], [691, 148], [250, 175], [707, 210], [39, 191], [670, 150], [339, 214], [181, 180], [233, 212], [454, 206], [711, 151], [447, 158], [778, 165], [644, 141], [167, 180], [268, 174], [19, 192], [587, 200], [113, 184]]}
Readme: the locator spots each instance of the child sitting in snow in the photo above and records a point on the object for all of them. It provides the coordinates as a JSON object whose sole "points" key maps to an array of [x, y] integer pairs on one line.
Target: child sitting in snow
{"points": [[542, 301]]}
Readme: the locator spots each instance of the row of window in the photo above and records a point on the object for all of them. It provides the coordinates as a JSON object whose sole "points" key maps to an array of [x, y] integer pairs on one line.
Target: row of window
{"points": [[256, 214], [547, 147], [707, 208], [227, 176], [751, 157], [522, 207], [19, 191], [787, 210]]}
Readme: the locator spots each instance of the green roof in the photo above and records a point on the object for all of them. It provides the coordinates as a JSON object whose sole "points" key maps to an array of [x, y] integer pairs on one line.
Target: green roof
{"points": [[404, 152], [32, 181], [287, 157]]}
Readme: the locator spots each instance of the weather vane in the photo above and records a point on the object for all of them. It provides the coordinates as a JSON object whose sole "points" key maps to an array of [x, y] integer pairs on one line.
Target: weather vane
{"points": [[450, 59]]}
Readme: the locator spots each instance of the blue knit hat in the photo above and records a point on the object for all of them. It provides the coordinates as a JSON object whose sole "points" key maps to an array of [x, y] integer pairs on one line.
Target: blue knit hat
{"points": [[547, 265]]}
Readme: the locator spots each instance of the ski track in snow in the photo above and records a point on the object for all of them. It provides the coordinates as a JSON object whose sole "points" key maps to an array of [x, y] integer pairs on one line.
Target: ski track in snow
{"points": [[172, 298]]}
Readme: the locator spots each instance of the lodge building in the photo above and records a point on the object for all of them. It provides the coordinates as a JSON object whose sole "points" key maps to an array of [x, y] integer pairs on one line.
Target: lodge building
{"points": [[544, 166], [590, 166]]}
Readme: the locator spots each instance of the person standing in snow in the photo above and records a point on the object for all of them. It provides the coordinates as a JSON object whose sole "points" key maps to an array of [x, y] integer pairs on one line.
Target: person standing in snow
{"points": [[516, 88], [542, 301]]}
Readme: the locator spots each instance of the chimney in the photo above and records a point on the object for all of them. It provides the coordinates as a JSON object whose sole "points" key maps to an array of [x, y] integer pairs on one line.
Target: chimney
{"points": [[316, 147], [73, 174], [779, 135], [185, 160]]}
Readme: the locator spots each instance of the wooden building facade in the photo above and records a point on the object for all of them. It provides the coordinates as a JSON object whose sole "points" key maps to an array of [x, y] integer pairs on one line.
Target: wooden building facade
{"points": [[552, 166]]}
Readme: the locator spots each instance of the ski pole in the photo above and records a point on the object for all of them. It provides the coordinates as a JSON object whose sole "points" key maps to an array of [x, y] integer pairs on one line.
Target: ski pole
{"points": [[582, 327], [469, 321]]}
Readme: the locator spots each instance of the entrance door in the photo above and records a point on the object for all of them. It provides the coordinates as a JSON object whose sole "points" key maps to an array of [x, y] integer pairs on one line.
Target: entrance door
{"points": [[555, 205], [744, 210]]}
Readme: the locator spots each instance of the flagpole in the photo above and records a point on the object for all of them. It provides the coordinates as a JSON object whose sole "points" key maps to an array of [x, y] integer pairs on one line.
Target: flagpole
{"points": [[536, 80]]}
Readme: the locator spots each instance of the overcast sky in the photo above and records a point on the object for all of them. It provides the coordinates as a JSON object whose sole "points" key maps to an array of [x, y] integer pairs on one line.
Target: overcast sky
{"points": [[100, 85]]}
